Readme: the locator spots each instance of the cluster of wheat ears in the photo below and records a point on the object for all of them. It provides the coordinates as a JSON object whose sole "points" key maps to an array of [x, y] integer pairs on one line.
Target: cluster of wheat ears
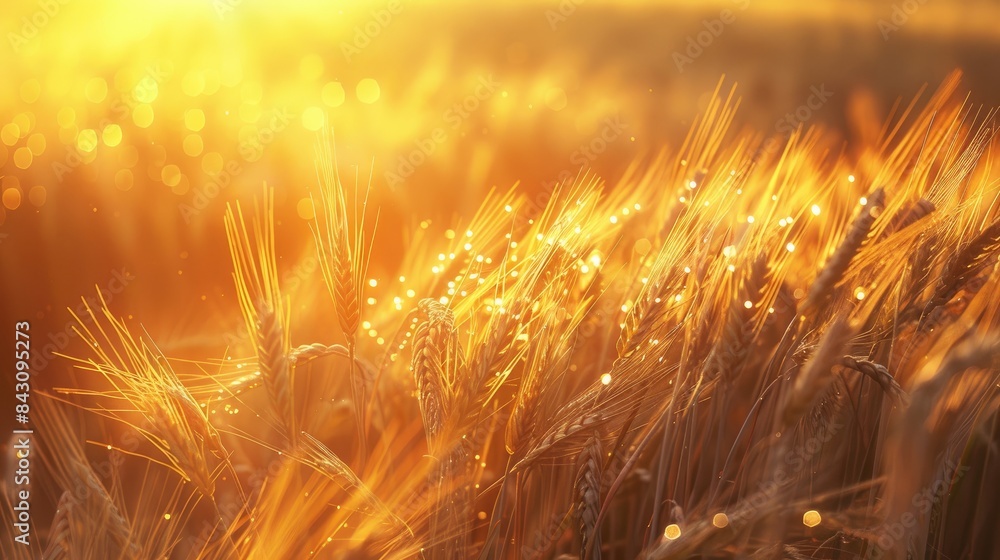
{"points": [[731, 352]]}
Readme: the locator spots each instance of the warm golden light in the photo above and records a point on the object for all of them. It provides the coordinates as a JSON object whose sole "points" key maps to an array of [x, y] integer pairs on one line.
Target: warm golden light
{"points": [[451, 280], [811, 518]]}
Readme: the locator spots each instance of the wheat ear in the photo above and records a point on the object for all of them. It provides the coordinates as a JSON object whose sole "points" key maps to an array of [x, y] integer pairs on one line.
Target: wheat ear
{"points": [[909, 216], [857, 233], [816, 375], [434, 363], [877, 373], [740, 324], [342, 261], [274, 368], [588, 494], [560, 434], [975, 258]]}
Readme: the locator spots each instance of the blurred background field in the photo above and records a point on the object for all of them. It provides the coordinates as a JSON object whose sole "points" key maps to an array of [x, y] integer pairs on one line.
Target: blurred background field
{"points": [[127, 127]]}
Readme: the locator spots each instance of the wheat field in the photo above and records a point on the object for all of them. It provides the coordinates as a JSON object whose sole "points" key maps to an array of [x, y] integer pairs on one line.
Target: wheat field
{"points": [[746, 347]]}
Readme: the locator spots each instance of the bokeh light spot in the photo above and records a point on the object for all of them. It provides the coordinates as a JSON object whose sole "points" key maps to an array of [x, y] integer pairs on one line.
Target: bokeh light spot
{"points": [[30, 90], [142, 116], [112, 135], [312, 118], [37, 196], [249, 113], [194, 119], [193, 145], [96, 90], [123, 179], [182, 187], [36, 143], [251, 92], [22, 158], [86, 141], [642, 246], [212, 163], [555, 99], [11, 198], [305, 209], [333, 94], [66, 117], [368, 91], [811, 518], [146, 90], [212, 81], [25, 122], [193, 84], [171, 175], [10, 134]]}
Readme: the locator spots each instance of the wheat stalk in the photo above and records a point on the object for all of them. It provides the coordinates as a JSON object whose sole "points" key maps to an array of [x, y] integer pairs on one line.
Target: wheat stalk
{"points": [[331, 465], [343, 261], [586, 365], [588, 489]]}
